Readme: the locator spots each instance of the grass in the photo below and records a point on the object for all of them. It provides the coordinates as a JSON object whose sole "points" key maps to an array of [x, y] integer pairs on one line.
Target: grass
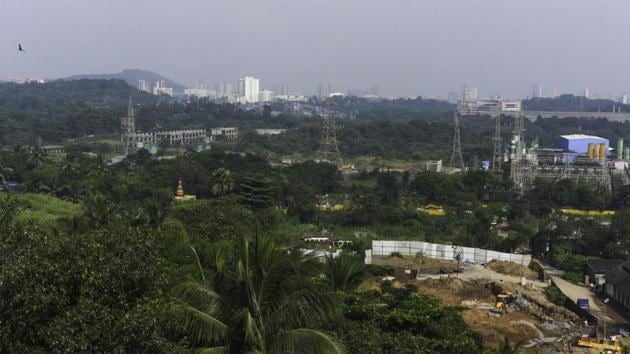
{"points": [[44, 210]]}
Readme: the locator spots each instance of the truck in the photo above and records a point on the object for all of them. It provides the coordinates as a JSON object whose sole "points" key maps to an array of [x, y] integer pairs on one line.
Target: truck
{"points": [[583, 304]]}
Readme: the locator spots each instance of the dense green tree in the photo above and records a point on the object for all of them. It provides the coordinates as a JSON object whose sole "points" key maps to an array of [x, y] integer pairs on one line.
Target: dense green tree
{"points": [[266, 304]]}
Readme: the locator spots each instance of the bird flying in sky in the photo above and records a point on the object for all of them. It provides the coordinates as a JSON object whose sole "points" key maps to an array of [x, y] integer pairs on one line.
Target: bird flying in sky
{"points": [[20, 48]]}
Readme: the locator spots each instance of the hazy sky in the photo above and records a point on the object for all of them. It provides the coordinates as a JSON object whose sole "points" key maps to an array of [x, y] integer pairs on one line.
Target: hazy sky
{"points": [[406, 47]]}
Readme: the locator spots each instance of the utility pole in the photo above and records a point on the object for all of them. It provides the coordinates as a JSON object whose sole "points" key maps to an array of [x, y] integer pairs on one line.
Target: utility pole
{"points": [[456, 152]]}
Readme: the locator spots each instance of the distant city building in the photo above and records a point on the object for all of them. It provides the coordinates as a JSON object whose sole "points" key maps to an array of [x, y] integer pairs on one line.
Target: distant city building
{"points": [[225, 90], [490, 107], [538, 91], [434, 166], [53, 149], [143, 85], [336, 94], [200, 92], [587, 93], [469, 93], [170, 137], [265, 96], [622, 98], [266, 131], [249, 88], [230, 133], [161, 89], [290, 98], [26, 81]]}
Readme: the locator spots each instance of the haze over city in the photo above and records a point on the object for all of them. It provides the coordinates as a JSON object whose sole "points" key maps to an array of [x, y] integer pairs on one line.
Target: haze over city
{"points": [[407, 48]]}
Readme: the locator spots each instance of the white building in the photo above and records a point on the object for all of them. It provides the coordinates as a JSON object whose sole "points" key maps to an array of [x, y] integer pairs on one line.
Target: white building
{"points": [[249, 87], [267, 131], [26, 81], [200, 92], [469, 93], [224, 90], [587, 93], [230, 133], [265, 96], [161, 89], [143, 85], [538, 91], [488, 107]]}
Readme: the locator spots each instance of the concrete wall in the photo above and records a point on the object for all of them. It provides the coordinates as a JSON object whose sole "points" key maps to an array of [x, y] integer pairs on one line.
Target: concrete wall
{"points": [[446, 252]]}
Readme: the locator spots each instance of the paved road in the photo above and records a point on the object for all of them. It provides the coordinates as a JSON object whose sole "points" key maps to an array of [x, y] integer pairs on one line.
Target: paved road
{"points": [[575, 292]]}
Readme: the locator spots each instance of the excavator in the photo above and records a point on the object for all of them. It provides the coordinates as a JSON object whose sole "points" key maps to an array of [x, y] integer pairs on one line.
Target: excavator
{"points": [[504, 299]]}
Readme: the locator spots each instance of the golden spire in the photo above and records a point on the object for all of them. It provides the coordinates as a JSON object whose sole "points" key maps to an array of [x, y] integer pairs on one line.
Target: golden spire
{"points": [[180, 189]]}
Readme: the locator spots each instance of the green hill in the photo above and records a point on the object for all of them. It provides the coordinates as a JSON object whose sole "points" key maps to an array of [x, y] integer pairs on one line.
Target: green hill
{"points": [[131, 77]]}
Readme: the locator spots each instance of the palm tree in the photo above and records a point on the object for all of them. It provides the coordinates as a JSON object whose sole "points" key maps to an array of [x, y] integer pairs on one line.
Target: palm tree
{"points": [[345, 272], [37, 155], [223, 182], [266, 305]]}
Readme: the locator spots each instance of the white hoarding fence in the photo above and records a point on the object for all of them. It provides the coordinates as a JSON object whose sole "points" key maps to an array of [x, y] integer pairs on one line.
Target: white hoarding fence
{"points": [[440, 251]]}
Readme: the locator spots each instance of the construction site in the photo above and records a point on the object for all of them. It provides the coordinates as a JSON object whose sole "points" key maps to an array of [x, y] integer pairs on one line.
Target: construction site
{"points": [[500, 299]]}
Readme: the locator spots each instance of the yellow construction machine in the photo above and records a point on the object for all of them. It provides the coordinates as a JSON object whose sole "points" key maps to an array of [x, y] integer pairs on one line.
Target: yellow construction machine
{"points": [[608, 348], [504, 299]]}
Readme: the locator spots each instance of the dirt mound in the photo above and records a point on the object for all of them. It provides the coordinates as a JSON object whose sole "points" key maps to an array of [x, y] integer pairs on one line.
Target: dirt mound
{"points": [[424, 265], [511, 268]]}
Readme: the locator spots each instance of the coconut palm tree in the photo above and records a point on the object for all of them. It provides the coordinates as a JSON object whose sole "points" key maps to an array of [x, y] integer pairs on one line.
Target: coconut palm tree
{"points": [[37, 155], [345, 272], [267, 304]]}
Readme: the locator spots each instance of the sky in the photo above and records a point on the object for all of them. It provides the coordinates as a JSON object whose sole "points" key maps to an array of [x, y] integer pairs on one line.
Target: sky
{"points": [[405, 47]]}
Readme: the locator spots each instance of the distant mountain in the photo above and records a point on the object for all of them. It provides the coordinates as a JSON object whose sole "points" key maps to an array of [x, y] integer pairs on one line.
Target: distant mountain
{"points": [[132, 76]]}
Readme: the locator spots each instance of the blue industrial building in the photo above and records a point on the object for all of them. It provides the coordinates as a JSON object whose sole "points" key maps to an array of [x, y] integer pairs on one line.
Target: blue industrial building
{"points": [[578, 143]]}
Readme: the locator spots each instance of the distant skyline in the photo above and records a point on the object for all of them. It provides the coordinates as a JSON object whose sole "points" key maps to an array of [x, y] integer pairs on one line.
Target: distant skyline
{"points": [[405, 47]]}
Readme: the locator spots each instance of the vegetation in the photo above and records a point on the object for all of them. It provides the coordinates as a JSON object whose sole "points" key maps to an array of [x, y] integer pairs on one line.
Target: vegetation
{"points": [[98, 257]]}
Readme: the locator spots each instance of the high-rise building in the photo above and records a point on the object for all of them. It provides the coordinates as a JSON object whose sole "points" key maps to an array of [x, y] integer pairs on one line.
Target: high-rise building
{"points": [[161, 89], [469, 93], [143, 85], [224, 89], [249, 88], [538, 90], [587, 93]]}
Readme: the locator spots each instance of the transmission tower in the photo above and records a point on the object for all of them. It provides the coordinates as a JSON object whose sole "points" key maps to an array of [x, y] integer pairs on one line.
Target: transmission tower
{"points": [[497, 157], [328, 149], [456, 153], [128, 130], [519, 167]]}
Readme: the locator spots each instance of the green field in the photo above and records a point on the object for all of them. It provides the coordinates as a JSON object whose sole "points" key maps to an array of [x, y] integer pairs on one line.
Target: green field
{"points": [[43, 210]]}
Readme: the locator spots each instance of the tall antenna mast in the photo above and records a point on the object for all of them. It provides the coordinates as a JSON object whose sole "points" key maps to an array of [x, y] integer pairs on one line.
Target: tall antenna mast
{"points": [[456, 153], [128, 130], [497, 157], [328, 149]]}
